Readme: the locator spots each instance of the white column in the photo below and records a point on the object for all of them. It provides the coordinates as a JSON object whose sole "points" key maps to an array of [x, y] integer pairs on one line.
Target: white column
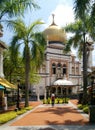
{"points": [[90, 57], [1, 63], [70, 67], [47, 72], [45, 92], [5, 102]]}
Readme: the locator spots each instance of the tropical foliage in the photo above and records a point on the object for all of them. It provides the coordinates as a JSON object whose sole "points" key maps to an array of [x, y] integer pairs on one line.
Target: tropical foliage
{"points": [[13, 8], [84, 8], [32, 44], [10, 9], [13, 65], [79, 41], [84, 25]]}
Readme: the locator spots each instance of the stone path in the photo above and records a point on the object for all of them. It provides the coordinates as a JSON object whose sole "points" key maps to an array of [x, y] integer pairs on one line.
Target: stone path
{"points": [[45, 117]]}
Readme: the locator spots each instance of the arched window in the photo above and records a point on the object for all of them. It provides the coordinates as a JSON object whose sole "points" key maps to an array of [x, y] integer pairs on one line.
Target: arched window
{"points": [[59, 70], [73, 70], [53, 68], [77, 70], [59, 67], [64, 69]]}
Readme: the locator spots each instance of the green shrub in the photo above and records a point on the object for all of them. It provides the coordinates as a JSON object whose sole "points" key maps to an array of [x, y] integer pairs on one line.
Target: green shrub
{"points": [[85, 105], [28, 108], [61, 101], [80, 106], [65, 100], [86, 109], [48, 101], [57, 100], [7, 116], [11, 115], [44, 101], [21, 112]]}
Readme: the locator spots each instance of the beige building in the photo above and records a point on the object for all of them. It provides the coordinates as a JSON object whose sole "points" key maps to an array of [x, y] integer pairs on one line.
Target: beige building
{"points": [[60, 73]]}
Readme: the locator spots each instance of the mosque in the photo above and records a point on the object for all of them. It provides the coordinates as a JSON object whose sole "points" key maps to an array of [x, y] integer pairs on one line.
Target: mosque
{"points": [[60, 73]]}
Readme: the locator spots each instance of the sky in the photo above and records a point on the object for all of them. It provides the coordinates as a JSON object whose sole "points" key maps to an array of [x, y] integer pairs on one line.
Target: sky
{"points": [[63, 10]]}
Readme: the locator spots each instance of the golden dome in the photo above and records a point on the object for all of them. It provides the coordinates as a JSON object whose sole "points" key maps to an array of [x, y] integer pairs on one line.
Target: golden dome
{"points": [[55, 33]]}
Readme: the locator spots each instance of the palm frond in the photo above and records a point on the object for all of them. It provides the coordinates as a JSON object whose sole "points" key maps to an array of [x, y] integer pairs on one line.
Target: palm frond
{"points": [[68, 46], [16, 7], [35, 26], [74, 27], [18, 26], [81, 8], [92, 21]]}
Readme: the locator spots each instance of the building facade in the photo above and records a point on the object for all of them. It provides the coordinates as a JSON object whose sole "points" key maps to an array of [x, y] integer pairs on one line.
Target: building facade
{"points": [[58, 65]]}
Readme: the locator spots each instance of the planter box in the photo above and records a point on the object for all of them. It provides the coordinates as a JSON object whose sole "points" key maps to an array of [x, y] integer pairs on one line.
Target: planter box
{"points": [[92, 113]]}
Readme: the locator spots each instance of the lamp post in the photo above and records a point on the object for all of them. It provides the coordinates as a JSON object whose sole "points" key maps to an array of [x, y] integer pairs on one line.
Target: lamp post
{"points": [[18, 86], [65, 95]]}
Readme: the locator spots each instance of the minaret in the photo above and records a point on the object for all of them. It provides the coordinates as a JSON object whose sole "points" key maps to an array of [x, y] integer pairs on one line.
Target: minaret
{"points": [[53, 23]]}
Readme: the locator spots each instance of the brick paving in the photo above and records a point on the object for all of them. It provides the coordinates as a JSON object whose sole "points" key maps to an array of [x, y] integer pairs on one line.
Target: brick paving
{"points": [[64, 114]]}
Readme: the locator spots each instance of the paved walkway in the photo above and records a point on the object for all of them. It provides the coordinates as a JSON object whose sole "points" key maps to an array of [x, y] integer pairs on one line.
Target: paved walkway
{"points": [[45, 117]]}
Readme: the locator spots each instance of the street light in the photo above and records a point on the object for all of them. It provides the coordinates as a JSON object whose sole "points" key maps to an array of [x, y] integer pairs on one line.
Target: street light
{"points": [[18, 86], [65, 95]]}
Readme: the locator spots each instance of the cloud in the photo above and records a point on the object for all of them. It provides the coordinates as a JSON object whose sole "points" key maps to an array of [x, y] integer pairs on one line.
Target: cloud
{"points": [[63, 15]]}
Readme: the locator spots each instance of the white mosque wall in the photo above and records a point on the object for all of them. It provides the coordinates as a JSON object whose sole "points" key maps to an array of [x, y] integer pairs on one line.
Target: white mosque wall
{"points": [[75, 90], [40, 87], [55, 55], [53, 78]]}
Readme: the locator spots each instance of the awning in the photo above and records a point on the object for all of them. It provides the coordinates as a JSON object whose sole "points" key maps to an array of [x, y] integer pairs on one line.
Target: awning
{"points": [[64, 82], [7, 84], [2, 87]]}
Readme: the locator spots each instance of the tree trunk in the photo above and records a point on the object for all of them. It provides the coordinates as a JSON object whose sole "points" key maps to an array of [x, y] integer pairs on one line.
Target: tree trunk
{"points": [[84, 71], [27, 75]]}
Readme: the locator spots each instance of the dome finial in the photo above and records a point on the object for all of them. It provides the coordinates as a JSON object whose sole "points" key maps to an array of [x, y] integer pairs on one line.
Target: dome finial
{"points": [[53, 23]]}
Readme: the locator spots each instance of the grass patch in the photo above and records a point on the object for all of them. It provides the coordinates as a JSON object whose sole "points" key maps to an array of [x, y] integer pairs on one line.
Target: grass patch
{"points": [[13, 114], [7, 117]]}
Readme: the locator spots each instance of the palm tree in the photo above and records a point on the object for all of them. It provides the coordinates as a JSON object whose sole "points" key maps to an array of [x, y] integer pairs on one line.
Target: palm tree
{"points": [[83, 8], [78, 41], [13, 8], [33, 44]]}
